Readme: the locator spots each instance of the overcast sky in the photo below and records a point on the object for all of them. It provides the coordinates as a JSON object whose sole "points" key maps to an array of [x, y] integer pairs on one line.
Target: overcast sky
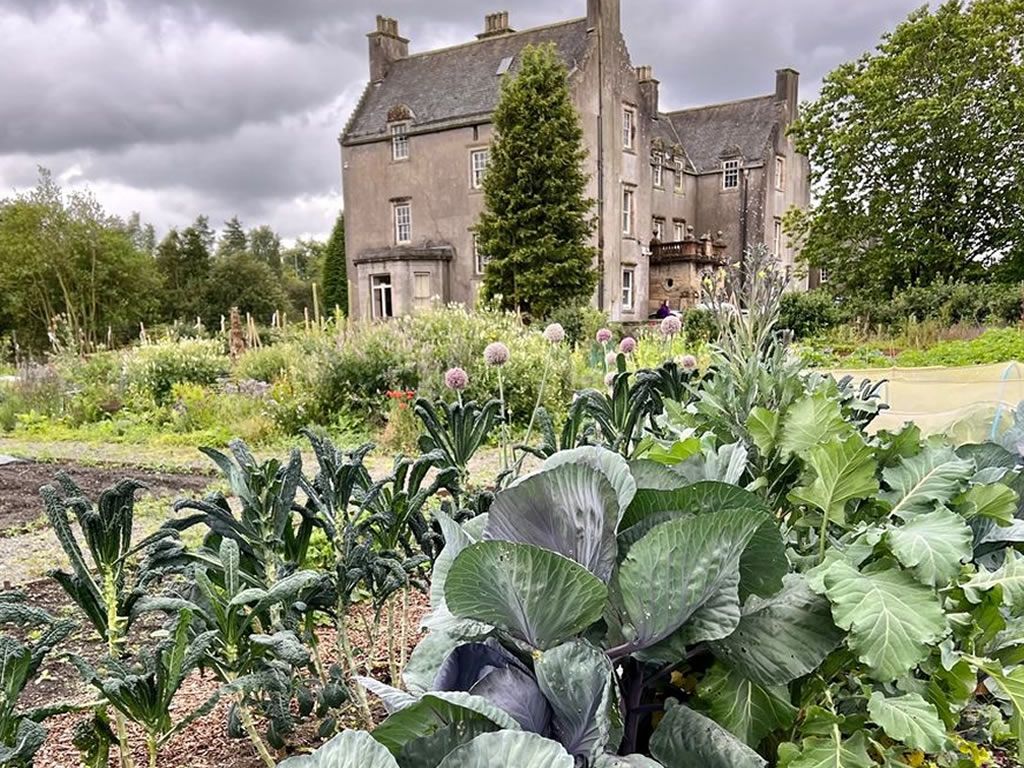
{"points": [[223, 107]]}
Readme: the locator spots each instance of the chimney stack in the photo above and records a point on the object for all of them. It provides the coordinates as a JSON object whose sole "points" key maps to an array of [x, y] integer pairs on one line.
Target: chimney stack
{"points": [[495, 24], [386, 47], [649, 89], [605, 17], [787, 91]]}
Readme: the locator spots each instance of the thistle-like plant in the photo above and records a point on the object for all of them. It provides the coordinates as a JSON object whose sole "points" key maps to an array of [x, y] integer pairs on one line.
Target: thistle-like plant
{"points": [[21, 734]]}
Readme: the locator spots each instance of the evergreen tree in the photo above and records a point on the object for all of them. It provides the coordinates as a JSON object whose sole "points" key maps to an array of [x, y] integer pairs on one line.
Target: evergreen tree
{"points": [[335, 271], [183, 260], [537, 218], [233, 239]]}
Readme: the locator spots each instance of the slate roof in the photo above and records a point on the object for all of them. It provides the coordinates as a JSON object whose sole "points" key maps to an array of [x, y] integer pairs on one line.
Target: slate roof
{"points": [[447, 86], [710, 133]]}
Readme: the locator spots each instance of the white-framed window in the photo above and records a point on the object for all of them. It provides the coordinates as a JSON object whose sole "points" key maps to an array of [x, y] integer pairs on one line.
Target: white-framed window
{"points": [[678, 230], [730, 174], [420, 290], [777, 240], [628, 127], [628, 210], [400, 141], [479, 259], [478, 160], [658, 171], [780, 172], [403, 223], [679, 177], [381, 296], [658, 229], [628, 283]]}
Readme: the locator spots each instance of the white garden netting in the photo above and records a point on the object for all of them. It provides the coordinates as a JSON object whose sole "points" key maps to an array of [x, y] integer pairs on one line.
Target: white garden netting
{"points": [[970, 404]]}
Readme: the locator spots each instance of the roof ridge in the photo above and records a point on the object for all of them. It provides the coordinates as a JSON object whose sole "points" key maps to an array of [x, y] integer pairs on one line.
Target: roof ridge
{"points": [[673, 113], [468, 43]]}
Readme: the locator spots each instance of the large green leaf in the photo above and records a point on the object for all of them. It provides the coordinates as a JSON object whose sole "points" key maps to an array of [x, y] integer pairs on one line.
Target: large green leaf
{"points": [[892, 619], [538, 595], [843, 470], [933, 545], [834, 753], [1009, 578], [919, 483], [577, 680], [440, 618], [436, 711], [427, 658], [763, 563], [509, 750], [627, 761], [568, 508], [996, 502], [678, 567], [910, 719], [763, 426], [810, 422], [744, 708], [783, 637], [351, 749], [1011, 686], [686, 738], [616, 470]]}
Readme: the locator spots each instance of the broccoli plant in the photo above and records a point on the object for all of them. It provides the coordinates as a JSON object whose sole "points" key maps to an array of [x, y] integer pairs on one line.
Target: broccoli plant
{"points": [[21, 735]]}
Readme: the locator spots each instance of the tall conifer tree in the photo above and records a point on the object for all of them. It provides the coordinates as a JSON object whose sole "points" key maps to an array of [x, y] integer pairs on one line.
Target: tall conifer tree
{"points": [[335, 273], [538, 219]]}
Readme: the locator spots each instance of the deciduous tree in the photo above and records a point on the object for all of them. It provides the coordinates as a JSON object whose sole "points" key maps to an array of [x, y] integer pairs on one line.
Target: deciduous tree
{"points": [[917, 154]]}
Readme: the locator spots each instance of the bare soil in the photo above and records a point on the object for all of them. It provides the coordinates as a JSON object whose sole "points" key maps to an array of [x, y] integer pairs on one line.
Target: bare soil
{"points": [[21, 507]]}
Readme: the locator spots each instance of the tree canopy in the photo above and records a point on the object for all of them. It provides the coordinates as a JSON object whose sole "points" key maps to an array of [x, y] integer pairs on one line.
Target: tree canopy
{"points": [[917, 154], [537, 218]]}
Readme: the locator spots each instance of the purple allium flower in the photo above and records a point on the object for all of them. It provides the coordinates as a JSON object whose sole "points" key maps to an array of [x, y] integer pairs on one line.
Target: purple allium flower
{"points": [[555, 333], [612, 358], [688, 363], [627, 345], [609, 379], [496, 354], [456, 379], [604, 336], [670, 326]]}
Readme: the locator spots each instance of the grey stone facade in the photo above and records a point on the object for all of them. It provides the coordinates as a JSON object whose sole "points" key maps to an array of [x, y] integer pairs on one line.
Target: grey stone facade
{"points": [[413, 151]]}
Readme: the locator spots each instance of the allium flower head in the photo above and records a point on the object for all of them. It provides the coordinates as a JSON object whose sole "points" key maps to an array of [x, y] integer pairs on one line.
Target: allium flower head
{"points": [[612, 358], [609, 379], [555, 333], [604, 336], [688, 363], [627, 345], [670, 326], [496, 354], [456, 379]]}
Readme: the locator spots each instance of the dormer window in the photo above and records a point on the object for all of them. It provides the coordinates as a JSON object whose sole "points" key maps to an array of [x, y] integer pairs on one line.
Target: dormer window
{"points": [[658, 172], [400, 141], [679, 176], [730, 174]]}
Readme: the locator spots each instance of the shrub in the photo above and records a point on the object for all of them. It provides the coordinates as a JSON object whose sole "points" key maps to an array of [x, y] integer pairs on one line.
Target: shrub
{"points": [[807, 313], [95, 386], [699, 325], [151, 371], [37, 390], [996, 345], [266, 363], [580, 323], [219, 416]]}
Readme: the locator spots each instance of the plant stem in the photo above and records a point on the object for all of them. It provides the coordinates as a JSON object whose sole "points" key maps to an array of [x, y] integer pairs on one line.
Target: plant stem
{"points": [[405, 630], [823, 537], [635, 692], [113, 641], [392, 664], [504, 422], [152, 749], [249, 726], [349, 664]]}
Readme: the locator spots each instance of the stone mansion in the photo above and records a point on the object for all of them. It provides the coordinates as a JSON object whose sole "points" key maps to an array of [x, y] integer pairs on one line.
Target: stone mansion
{"points": [[676, 192]]}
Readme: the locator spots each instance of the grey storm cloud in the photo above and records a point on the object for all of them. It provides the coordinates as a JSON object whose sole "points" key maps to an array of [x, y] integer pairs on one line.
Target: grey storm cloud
{"points": [[234, 106]]}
